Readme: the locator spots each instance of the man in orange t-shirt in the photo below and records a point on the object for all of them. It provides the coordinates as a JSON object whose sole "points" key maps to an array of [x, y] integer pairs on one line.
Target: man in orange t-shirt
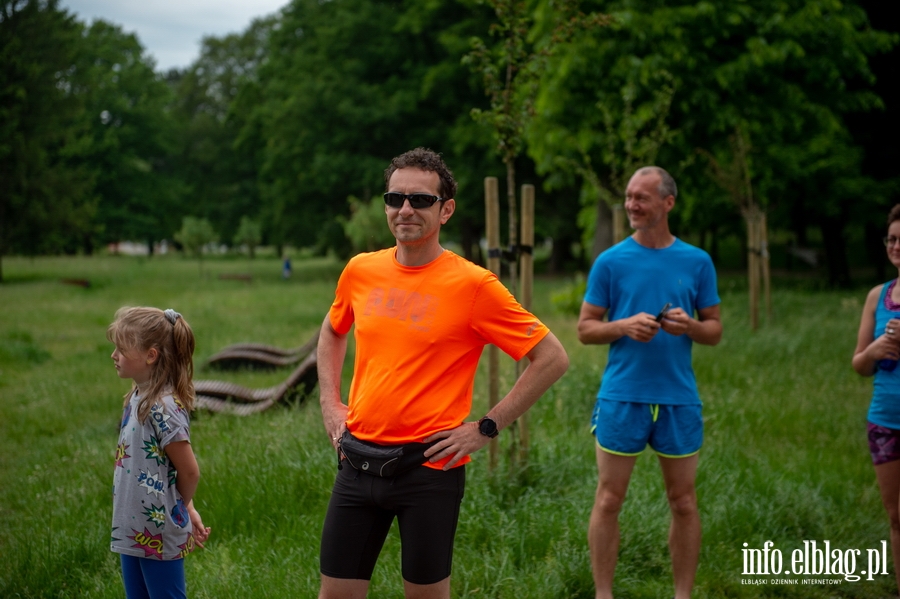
{"points": [[421, 317]]}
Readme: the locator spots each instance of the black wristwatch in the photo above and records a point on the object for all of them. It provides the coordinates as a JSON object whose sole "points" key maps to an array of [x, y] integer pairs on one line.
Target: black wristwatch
{"points": [[488, 427]]}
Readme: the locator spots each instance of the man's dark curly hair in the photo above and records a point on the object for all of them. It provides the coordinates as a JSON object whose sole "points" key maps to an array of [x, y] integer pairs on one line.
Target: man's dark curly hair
{"points": [[426, 160]]}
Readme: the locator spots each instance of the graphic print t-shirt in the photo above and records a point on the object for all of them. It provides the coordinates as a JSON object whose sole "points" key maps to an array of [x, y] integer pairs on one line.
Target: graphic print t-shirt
{"points": [[150, 518]]}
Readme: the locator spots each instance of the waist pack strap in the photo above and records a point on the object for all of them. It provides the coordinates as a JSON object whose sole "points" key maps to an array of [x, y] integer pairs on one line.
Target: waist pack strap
{"points": [[382, 460]]}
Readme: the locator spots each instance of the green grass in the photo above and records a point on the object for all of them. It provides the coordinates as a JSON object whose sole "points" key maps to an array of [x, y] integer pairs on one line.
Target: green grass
{"points": [[785, 457]]}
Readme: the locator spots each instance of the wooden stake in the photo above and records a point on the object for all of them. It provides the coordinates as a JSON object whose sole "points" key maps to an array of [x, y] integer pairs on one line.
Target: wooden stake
{"points": [[752, 220], [513, 224], [526, 290], [526, 258], [766, 272], [492, 226]]}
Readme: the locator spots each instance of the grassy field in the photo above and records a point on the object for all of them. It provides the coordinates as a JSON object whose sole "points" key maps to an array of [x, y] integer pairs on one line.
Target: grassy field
{"points": [[785, 458]]}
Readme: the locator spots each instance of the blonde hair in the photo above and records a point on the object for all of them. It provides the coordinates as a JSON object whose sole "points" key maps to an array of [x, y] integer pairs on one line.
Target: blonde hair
{"points": [[171, 336]]}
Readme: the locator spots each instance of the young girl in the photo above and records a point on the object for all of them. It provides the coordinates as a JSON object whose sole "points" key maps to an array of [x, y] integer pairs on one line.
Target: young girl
{"points": [[154, 521]]}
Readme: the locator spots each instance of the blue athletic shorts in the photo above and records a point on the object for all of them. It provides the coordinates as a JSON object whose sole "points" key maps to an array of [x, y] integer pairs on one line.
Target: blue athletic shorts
{"points": [[626, 428]]}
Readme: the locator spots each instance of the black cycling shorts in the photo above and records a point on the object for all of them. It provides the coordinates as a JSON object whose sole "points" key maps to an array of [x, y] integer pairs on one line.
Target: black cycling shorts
{"points": [[362, 507]]}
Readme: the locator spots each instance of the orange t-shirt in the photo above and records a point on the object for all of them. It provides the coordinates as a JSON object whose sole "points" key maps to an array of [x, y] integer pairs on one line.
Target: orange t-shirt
{"points": [[419, 335]]}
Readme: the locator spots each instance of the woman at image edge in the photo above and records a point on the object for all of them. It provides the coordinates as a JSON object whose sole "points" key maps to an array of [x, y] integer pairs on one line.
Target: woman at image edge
{"points": [[877, 352]]}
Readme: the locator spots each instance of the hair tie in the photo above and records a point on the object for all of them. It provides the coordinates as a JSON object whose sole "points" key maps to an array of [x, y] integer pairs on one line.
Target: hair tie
{"points": [[171, 315]]}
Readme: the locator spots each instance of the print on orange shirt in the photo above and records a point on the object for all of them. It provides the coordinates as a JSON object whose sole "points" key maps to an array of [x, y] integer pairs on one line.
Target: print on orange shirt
{"points": [[401, 304]]}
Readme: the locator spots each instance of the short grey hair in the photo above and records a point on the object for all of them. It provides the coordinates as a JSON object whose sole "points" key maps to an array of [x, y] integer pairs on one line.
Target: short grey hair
{"points": [[667, 185]]}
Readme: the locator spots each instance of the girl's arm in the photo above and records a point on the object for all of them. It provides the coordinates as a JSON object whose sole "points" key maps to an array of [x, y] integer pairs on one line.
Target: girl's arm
{"points": [[182, 457], [201, 533]]}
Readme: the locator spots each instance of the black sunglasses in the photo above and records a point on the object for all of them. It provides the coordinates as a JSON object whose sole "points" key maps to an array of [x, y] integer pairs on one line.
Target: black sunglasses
{"points": [[416, 200]]}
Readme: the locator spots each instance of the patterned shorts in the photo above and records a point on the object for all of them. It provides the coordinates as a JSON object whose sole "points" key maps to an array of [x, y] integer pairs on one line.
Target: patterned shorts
{"points": [[883, 444]]}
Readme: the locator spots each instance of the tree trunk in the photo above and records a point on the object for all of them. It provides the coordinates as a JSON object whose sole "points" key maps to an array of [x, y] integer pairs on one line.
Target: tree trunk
{"points": [[832, 228], [492, 232], [875, 249], [603, 229], [799, 221], [714, 244], [515, 428], [751, 219], [468, 236], [560, 254], [513, 221], [765, 266], [526, 288]]}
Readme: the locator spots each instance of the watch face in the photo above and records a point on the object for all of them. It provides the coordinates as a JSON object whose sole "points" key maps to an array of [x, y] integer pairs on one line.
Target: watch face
{"points": [[488, 427]]}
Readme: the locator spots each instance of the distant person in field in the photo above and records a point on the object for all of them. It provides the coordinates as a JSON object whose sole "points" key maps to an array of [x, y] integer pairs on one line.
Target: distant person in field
{"points": [[154, 524], [421, 316], [642, 297], [876, 354]]}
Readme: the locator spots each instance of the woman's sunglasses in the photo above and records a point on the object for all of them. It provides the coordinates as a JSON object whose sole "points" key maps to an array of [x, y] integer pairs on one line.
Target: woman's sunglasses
{"points": [[416, 200]]}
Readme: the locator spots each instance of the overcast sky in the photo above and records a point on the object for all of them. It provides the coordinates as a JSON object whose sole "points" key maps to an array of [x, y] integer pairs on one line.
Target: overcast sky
{"points": [[171, 30]]}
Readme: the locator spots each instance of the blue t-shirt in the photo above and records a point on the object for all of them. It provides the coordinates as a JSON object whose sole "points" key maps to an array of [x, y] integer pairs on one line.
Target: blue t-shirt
{"points": [[629, 278], [885, 407]]}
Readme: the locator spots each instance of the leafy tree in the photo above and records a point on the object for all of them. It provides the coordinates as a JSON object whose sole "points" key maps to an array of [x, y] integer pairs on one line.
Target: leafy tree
{"points": [[129, 138], [45, 192], [221, 176], [366, 228], [194, 235], [631, 129], [333, 103], [85, 134], [249, 233], [788, 72], [511, 73], [332, 96], [879, 159]]}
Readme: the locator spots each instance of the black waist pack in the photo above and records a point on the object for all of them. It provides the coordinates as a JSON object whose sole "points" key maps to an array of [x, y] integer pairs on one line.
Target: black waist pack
{"points": [[381, 460]]}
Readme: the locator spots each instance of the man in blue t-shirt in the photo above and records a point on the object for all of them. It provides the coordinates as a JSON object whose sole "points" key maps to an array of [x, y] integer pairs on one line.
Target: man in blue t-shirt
{"points": [[641, 298]]}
